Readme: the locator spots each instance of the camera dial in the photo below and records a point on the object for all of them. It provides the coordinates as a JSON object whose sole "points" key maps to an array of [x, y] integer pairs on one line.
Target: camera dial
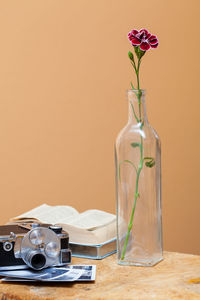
{"points": [[7, 246], [57, 229]]}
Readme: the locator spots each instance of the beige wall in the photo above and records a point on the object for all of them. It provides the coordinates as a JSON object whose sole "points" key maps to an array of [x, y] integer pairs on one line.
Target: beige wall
{"points": [[63, 75]]}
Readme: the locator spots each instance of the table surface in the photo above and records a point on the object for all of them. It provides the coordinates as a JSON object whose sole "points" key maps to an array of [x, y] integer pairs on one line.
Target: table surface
{"points": [[176, 277]]}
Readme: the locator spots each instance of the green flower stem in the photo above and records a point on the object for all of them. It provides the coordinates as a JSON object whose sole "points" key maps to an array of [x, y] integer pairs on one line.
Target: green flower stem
{"points": [[140, 165], [137, 73], [134, 113]]}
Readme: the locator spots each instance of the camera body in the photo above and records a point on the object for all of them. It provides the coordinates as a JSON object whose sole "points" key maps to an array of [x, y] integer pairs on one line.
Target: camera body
{"points": [[35, 245]]}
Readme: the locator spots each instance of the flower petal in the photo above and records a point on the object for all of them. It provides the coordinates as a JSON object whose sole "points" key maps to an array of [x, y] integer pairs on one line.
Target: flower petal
{"points": [[141, 35], [144, 30], [154, 46], [130, 37], [153, 40], [135, 41], [144, 34], [134, 31], [144, 46], [148, 36]]}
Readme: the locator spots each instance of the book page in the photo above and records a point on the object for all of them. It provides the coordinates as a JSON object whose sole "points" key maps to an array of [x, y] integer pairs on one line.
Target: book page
{"points": [[90, 237], [90, 227], [51, 214], [92, 219]]}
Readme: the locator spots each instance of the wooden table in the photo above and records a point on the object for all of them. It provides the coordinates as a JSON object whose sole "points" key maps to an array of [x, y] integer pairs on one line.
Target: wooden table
{"points": [[177, 277]]}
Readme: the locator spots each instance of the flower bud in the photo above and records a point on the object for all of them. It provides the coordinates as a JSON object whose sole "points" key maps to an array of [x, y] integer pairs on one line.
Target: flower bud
{"points": [[130, 55]]}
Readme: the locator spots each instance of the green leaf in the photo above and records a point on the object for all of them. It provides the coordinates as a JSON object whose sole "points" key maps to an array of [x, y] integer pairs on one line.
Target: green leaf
{"points": [[150, 162], [137, 195], [134, 145], [132, 86]]}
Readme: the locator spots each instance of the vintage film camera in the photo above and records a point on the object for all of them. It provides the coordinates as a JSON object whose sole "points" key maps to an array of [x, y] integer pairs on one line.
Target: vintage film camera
{"points": [[35, 245]]}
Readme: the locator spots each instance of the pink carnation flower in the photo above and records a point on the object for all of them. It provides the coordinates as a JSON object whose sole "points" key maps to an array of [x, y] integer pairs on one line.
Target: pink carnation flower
{"points": [[143, 39]]}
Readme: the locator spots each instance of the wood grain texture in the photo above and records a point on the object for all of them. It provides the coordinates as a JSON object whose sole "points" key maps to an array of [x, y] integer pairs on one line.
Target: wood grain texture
{"points": [[64, 72], [177, 277]]}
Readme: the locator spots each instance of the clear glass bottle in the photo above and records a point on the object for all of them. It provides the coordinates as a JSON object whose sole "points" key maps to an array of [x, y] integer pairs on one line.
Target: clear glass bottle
{"points": [[138, 188]]}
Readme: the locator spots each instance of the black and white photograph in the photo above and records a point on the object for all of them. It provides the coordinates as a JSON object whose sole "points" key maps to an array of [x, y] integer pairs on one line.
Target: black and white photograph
{"points": [[69, 273]]}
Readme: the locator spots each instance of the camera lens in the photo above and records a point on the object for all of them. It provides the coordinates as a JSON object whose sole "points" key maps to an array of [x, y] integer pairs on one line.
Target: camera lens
{"points": [[38, 261], [36, 236], [52, 249]]}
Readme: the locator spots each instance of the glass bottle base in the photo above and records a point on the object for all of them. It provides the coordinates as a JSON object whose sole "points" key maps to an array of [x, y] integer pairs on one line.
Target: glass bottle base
{"points": [[140, 263]]}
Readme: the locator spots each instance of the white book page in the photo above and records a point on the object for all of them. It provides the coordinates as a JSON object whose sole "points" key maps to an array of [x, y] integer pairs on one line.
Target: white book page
{"points": [[92, 219], [51, 214], [35, 212]]}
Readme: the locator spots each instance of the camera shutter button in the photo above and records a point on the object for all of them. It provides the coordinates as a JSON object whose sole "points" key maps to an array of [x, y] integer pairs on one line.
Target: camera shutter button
{"points": [[56, 229]]}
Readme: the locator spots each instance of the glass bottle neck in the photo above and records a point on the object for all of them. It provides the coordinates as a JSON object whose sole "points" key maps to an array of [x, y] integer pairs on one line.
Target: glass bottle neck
{"points": [[137, 110]]}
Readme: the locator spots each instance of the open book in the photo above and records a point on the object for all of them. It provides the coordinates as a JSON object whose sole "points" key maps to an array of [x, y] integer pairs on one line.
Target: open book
{"points": [[92, 227]]}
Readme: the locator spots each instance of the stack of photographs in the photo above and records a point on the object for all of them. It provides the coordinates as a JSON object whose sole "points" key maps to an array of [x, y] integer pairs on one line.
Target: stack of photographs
{"points": [[54, 274]]}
